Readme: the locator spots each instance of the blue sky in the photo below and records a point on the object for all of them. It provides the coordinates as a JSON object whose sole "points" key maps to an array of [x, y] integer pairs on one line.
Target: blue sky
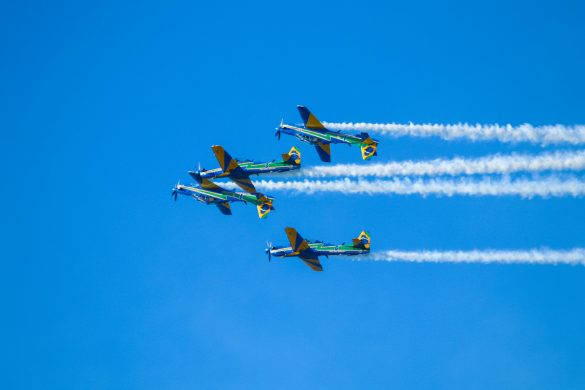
{"points": [[108, 283]]}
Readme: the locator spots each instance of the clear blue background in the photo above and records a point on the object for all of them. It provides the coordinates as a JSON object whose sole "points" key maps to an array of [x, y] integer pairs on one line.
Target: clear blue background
{"points": [[108, 283]]}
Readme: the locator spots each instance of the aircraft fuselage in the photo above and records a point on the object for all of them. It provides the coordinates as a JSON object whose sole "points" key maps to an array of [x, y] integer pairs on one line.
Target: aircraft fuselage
{"points": [[315, 136], [251, 168], [321, 249], [213, 196]]}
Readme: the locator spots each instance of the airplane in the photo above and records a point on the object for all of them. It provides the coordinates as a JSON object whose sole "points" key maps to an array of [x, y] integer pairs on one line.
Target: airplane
{"points": [[210, 193], [239, 171], [316, 134], [309, 252]]}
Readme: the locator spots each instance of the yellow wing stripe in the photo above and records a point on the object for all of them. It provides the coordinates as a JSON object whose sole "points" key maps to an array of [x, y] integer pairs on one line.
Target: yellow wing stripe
{"points": [[208, 185], [314, 264], [297, 242], [226, 162], [246, 184], [313, 122]]}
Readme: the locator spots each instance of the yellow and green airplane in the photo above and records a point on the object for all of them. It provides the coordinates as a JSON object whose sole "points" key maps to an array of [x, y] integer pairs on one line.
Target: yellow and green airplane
{"points": [[239, 171], [313, 132], [309, 252], [210, 193]]}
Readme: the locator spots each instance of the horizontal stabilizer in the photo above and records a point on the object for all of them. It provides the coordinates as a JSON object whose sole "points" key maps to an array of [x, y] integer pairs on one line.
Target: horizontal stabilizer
{"points": [[366, 139]]}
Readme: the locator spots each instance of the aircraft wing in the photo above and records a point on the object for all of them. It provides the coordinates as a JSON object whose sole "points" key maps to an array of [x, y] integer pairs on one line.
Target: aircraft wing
{"points": [[233, 170], [224, 207], [226, 162], [324, 150], [209, 185], [314, 263], [309, 120], [301, 246], [244, 183], [297, 243]]}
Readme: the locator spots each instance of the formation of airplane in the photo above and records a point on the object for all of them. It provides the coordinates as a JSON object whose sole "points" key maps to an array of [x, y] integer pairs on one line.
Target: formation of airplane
{"points": [[239, 171], [309, 252], [210, 193], [313, 132]]}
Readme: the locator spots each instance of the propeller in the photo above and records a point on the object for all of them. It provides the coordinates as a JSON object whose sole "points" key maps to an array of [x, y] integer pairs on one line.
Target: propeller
{"points": [[196, 175], [175, 192], [277, 135], [269, 247]]}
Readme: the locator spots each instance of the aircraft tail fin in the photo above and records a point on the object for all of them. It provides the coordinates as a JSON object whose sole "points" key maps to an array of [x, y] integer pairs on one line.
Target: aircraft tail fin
{"points": [[264, 206], [309, 120], [369, 146], [362, 241], [226, 162], [292, 157], [369, 151]]}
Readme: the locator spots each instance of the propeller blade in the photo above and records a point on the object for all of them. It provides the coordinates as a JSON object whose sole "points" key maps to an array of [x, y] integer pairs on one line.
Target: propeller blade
{"points": [[268, 249], [277, 135]]}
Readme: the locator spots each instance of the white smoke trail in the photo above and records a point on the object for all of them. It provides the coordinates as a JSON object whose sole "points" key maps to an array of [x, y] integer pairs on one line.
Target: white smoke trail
{"points": [[533, 256], [495, 164], [526, 188], [545, 135]]}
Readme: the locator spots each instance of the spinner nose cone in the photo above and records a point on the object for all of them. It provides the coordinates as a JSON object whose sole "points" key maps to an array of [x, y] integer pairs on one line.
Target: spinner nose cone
{"points": [[196, 175]]}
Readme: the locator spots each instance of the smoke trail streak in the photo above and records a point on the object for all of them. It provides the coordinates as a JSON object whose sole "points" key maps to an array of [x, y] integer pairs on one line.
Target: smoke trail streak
{"points": [[545, 135], [534, 256], [526, 188], [496, 164]]}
